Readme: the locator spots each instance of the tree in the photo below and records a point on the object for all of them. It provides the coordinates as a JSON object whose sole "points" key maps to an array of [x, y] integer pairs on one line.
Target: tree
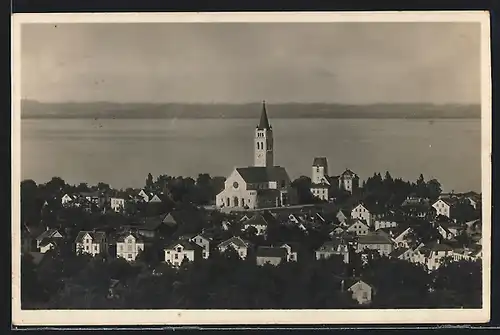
{"points": [[433, 189], [149, 182], [302, 185]]}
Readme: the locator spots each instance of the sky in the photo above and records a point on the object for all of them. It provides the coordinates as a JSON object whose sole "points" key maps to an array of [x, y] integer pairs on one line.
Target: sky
{"points": [[352, 63]]}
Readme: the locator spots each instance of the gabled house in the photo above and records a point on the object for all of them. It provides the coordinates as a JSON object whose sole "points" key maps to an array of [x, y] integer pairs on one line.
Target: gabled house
{"points": [[271, 255], [366, 212], [359, 227], [182, 250], [154, 198], [237, 243], [331, 248], [320, 181], [343, 216], [48, 239], [144, 195], [447, 231], [129, 245], [336, 231], [292, 250], [445, 206], [203, 240], [402, 238], [67, 199], [361, 291], [91, 242], [348, 181], [431, 255], [378, 240], [258, 222]]}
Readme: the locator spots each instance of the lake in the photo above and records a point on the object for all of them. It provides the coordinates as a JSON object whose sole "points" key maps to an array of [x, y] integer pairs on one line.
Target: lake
{"points": [[122, 152]]}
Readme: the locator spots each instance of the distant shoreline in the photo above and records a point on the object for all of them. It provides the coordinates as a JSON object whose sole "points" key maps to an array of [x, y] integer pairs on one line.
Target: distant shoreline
{"points": [[47, 117], [105, 110]]}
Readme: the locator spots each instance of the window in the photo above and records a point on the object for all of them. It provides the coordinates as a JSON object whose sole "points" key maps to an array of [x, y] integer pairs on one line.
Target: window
{"points": [[176, 256], [179, 249], [168, 252], [204, 254], [95, 247], [87, 241], [121, 247], [364, 295], [129, 256]]}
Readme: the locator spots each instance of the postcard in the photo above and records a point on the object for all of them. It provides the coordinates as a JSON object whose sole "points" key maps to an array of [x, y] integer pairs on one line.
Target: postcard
{"points": [[251, 168]]}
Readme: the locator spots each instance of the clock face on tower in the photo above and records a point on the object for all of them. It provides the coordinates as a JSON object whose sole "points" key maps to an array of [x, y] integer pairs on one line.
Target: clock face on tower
{"points": [[235, 185]]}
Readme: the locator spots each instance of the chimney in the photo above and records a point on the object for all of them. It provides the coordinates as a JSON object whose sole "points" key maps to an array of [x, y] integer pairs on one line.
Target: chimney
{"points": [[342, 285]]}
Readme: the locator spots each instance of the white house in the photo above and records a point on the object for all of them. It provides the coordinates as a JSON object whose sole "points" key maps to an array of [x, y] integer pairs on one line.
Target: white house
{"points": [[204, 242], [348, 181], [128, 246], [291, 252], [431, 255], [320, 181], [444, 206], [366, 213], [238, 244], [49, 235], [91, 242], [262, 185], [331, 248], [376, 241], [382, 223], [342, 216], [358, 227], [154, 198], [144, 195], [257, 222], [182, 250], [67, 199], [405, 254], [117, 204], [361, 291]]}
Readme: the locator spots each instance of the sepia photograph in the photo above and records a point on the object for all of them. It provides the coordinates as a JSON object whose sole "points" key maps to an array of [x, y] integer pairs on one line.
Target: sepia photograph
{"points": [[251, 168]]}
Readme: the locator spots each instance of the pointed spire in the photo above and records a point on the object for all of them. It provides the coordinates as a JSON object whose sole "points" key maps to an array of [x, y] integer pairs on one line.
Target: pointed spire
{"points": [[264, 122]]}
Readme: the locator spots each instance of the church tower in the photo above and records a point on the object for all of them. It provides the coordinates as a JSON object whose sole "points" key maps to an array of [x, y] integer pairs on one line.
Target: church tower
{"points": [[263, 142]]}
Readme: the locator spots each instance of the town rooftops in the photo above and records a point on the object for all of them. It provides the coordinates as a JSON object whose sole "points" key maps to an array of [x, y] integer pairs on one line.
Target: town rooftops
{"points": [[256, 220], [262, 174], [331, 246], [271, 252], [320, 161], [48, 234], [96, 236], [374, 238], [348, 174], [123, 236], [187, 245], [398, 252], [236, 240]]}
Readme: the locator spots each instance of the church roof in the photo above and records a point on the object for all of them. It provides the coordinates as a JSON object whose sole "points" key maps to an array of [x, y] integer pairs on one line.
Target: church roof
{"points": [[262, 174], [319, 161], [264, 121]]}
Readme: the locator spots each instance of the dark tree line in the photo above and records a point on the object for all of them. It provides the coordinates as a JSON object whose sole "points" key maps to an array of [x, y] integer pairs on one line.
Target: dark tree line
{"points": [[224, 281]]}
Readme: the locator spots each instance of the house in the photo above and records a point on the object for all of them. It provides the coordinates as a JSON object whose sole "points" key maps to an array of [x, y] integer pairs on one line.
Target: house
{"points": [[320, 181], [291, 251], [336, 231], [258, 222], [203, 240], [465, 254], [154, 198], [48, 238], [144, 195], [385, 222], [378, 240], [91, 197], [129, 245], [182, 250], [237, 243], [361, 291], [368, 213], [271, 255], [431, 255], [263, 185], [117, 204], [402, 253], [331, 248], [91, 242], [348, 181], [445, 206], [401, 237], [342, 216], [67, 199], [448, 231], [358, 227]]}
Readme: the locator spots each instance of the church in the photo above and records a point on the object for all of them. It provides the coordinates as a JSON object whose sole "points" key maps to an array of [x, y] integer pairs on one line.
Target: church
{"points": [[262, 185]]}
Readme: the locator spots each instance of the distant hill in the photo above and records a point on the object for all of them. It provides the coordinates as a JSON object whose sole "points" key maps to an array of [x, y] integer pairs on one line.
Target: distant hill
{"points": [[108, 110]]}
